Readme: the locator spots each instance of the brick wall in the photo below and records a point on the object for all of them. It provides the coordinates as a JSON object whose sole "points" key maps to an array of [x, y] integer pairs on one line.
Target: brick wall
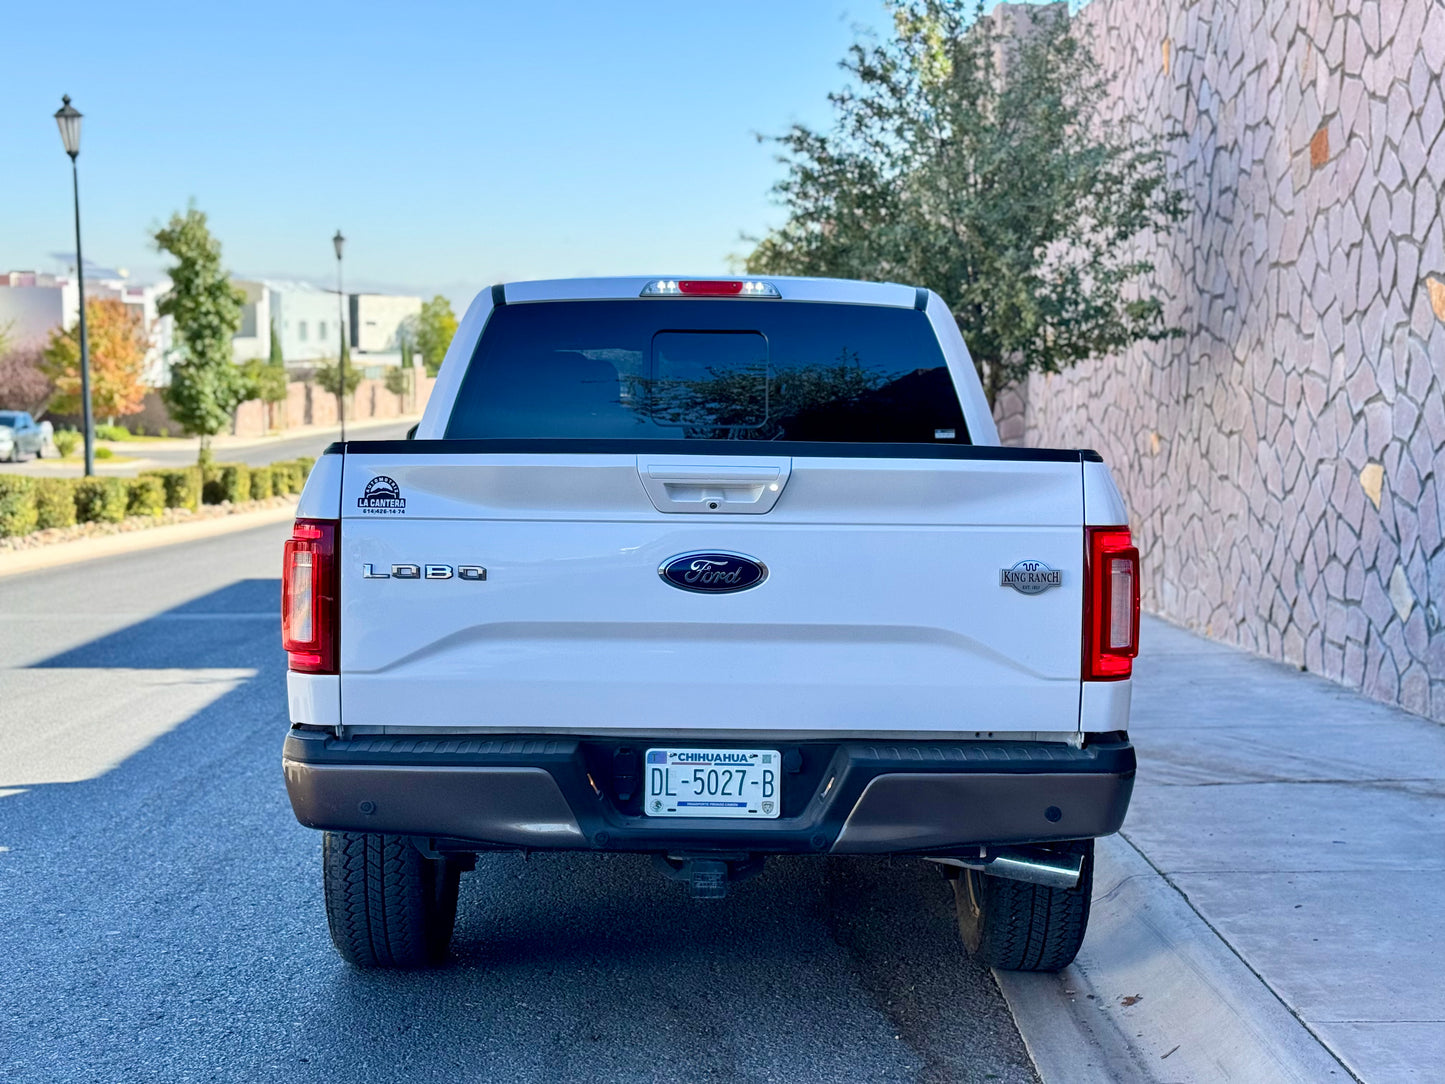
{"points": [[306, 404], [309, 404], [1284, 460]]}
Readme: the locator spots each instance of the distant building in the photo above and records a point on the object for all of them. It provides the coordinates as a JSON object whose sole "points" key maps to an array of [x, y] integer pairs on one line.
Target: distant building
{"points": [[34, 303], [306, 319], [376, 321]]}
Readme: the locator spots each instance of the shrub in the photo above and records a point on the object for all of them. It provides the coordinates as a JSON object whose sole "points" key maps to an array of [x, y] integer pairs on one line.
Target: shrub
{"points": [[103, 453], [261, 483], [145, 497], [55, 502], [182, 487], [100, 500], [112, 432], [285, 477], [17, 505], [67, 440], [227, 482], [305, 462]]}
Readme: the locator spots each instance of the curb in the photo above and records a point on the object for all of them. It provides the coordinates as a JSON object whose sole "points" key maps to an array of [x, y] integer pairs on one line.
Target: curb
{"points": [[86, 549], [1201, 1014]]}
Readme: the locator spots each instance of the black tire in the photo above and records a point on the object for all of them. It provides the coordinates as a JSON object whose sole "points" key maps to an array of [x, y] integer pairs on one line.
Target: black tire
{"points": [[387, 904], [1017, 926]]}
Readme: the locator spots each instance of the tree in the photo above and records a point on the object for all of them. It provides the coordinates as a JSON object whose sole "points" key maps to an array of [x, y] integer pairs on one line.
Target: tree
{"points": [[980, 165], [118, 342], [398, 381], [328, 376], [23, 383], [264, 380], [435, 326], [276, 358], [205, 386], [406, 341]]}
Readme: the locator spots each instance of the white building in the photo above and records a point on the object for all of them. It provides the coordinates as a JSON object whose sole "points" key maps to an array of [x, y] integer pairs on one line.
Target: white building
{"points": [[307, 320], [33, 304], [376, 321]]}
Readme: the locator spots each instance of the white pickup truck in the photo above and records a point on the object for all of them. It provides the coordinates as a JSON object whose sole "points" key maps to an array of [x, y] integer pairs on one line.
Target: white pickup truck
{"points": [[709, 570]]}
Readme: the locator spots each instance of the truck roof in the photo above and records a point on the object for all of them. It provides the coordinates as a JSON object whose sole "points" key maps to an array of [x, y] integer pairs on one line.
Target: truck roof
{"points": [[845, 291]]}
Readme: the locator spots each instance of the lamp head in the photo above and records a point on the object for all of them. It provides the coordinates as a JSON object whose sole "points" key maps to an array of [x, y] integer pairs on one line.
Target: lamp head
{"points": [[67, 118]]}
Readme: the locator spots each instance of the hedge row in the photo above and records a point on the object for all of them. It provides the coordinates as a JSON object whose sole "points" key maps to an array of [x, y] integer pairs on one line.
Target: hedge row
{"points": [[31, 504]]}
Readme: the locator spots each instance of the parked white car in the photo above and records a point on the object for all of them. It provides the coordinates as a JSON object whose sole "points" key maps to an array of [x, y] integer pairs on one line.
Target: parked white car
{"points": [[709, 570]]}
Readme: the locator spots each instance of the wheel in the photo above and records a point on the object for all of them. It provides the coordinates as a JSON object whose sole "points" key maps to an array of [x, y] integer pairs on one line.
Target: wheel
{"points": [[1018, 926], [387, 904]]}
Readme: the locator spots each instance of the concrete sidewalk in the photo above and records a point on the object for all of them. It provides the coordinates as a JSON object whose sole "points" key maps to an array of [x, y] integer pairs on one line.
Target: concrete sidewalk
{"points": [[1306, 825], [1277, 902]]}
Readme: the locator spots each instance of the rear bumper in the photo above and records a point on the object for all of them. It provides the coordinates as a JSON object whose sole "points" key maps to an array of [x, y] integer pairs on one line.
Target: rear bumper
{"points": [[843, 798]]}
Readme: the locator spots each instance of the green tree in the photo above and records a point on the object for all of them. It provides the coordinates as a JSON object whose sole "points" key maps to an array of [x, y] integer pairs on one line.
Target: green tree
{"points": [[980, 165], [328, 376], [406, 341], [266, 380], [206, 387], [435, 326], [275, 357], [398, 381]]}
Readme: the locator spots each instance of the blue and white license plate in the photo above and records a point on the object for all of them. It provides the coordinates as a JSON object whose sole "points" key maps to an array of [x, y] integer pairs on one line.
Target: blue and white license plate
{"points": [[713, 783]]}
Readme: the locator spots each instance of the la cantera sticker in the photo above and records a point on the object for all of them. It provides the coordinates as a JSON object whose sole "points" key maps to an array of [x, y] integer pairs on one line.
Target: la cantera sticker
{"points": [[382, 497], [1030, 577]]}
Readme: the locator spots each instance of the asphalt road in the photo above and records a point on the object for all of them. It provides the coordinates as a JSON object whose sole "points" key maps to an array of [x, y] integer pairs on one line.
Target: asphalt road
{"points": [[161, 917]]}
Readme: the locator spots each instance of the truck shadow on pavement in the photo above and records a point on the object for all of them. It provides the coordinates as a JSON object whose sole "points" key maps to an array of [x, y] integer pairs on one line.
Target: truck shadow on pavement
{"points": [[164, 920]]}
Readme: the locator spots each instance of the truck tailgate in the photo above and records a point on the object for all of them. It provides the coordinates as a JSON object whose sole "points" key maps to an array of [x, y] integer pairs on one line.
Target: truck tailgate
{"points": [[882, 609]]}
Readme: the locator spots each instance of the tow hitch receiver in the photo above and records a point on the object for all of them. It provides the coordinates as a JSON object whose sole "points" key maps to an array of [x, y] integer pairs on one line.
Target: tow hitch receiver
{"points": [[708, 874]]}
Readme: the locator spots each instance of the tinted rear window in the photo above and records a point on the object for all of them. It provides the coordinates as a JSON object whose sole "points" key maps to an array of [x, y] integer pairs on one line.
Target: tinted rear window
{"points": [[669, 369]]}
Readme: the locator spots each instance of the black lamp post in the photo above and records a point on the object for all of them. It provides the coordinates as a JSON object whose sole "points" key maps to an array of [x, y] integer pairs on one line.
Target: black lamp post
{"points": [[339, 243], [67, 117]]}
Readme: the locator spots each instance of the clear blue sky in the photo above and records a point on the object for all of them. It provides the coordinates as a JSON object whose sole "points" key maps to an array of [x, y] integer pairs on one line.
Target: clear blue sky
{"points": [[455, 144]]}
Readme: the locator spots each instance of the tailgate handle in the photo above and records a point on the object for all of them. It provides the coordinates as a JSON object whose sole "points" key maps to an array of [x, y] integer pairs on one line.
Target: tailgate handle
{"points": [[713, 487]]}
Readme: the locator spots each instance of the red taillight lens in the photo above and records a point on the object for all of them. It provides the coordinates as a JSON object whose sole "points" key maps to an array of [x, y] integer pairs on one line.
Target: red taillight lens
{"points": [[309, 591], [1111, 604], [710, 288]]}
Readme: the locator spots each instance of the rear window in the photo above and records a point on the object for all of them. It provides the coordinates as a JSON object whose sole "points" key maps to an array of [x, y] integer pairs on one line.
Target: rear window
{"points": [[708, 370]]}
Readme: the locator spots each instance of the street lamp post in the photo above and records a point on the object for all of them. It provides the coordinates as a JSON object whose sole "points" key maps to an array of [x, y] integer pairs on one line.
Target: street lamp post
{"points": [[339, 243], [67, 117]]}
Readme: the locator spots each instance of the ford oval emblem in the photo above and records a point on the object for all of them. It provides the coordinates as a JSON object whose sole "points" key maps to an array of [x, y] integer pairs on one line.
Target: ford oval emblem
{"points": [[713, 573]]}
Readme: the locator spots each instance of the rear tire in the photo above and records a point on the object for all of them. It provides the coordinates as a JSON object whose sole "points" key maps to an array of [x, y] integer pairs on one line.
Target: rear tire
{"points": [[1018, 926], [387, 904]]}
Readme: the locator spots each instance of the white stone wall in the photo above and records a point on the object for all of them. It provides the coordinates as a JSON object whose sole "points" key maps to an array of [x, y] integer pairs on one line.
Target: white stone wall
{"points": [[1284, 460]]}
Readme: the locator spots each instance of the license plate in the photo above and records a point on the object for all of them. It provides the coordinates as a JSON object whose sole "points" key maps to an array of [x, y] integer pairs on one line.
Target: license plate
{"points": [[713, 783]]}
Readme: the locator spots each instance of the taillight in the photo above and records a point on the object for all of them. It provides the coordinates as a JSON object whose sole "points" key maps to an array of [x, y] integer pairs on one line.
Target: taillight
{"points": [[1111, 604], [709, 288], [309, 591]]}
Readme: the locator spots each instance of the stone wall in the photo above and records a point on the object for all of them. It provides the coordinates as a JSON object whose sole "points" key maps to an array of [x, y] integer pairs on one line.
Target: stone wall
{"points": [[1284, 460]]}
